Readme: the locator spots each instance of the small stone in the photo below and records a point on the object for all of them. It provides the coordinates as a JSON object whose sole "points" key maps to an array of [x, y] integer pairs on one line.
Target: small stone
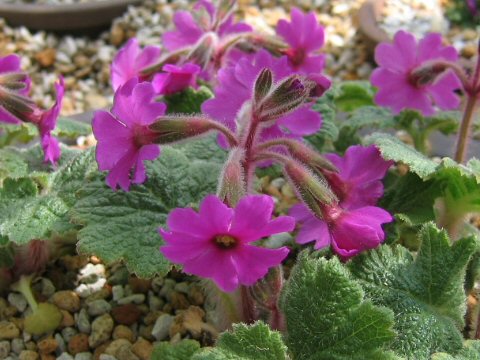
{"points": [[83, 322], [119, 277], [65, 356], [102, 328], [73, 263], [62, 347], [47, 357], [68, 333], [46, 57], [18, 301], [145, 331], [84, 356], [167, 288], [102, 294], [123, 332], [47, 346], [179, 301], [125, 353], [154, 302], [107, 357], [196, 295], [48, 289], [190, 320], [96, 101], [115, 345], [28, 355], [78, 344], [157, 284], [182, 287], [143, 349], [126, 314], [162, 325], [100, 350], [151, 317], [18, 346], [66, 300], [135, 298], [117, 292], [4, 349], [30, 345], [139, 285], [8, 331], [67, 319], [117, 34], [98, 307]]}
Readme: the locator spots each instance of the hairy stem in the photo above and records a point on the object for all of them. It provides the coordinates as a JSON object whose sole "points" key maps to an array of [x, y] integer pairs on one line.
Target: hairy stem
{"points": [[465, 129]]}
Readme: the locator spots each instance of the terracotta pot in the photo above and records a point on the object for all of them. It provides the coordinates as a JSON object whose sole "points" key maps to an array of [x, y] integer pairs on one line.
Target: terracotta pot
{"points": [[65, 17]]}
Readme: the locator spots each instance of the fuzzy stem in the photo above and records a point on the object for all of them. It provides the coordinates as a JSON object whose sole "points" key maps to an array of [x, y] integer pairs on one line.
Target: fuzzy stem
{"points": [[465, 129]]}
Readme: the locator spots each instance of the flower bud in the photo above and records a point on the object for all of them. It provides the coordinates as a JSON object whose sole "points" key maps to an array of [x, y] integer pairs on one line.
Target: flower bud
{"points": [[263, 84], [231, 187], [16, 104], [14, 80], [309, 156], [427, 74], [322, 84], [170, 129], [311, 189]]}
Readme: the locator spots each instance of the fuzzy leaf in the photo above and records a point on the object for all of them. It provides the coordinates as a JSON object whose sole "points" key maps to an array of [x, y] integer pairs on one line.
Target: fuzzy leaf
{"points": [[425, 293], [354, 94], [254, 342], [72, 129], [11, 164], [329, 130], [183, 350], [470, 351], [123, 225], [189, 101], [327, 317]]}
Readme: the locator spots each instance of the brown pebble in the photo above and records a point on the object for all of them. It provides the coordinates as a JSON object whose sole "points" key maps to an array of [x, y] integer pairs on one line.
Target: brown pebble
{"points": [[19, 322], [143, 349], [179, 301], [117, 35], [8, 330], [30, 345], [151, 317], [139, 286], [101, 294], [67, 319], [9, 311], [196, 296], [99, 350], [28, 355], [47, 357], [123, 332], [47, 346], [115, 345], [46, 57], [146, 332], [66, 300], [126, 314], [73, 263], [167, 308], [78, 343]]}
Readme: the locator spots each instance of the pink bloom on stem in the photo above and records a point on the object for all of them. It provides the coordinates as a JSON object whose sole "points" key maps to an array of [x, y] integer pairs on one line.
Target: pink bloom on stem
{"points": [[358, 180], [235, 88], [124, 139], [10, 64], [349, 232], [216, 242], [189, 30], [131, 60], [176, 78], [398, 89], [305, 36]]}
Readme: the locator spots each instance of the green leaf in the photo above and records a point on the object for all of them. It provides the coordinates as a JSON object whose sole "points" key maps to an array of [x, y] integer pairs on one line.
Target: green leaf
{"points": [[30, 212], [7, 255], [393, 149], [11, 164], [254, 342], [189, 101], [425, 293], [328, 133], [470, 351], [123, 225], [444, 121], [72, 129], [182, 350], [354, 94], [327, 317], [13, 133]]}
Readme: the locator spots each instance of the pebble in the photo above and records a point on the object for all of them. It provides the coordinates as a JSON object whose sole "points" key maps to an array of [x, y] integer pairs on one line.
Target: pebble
{"points": [[162, 326], [67, 319], [62, 347], [154, 302], [117, 292], [4, 349], [102, 328], [107, 357], [78, 344], [65, 356], [83, 321], [135, 298], [84, 356], [8, 331], [126, 314], [68, 333], [66, 300], [182, 287], [98, 307], [18, 301], [143, 349], [47, 346], [17, 346], [48, 289], [123, 332], [28, 355]]}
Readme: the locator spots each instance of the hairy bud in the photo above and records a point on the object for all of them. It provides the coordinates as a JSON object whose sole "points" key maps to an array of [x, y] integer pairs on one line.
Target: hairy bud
{"points": [[427, 74], [263, 84], [309, 156], [231, 187], [16, 104], [170, 129]]}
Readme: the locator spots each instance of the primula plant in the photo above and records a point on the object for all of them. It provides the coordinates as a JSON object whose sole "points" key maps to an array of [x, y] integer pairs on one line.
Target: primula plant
{"points": [[374, 259]]}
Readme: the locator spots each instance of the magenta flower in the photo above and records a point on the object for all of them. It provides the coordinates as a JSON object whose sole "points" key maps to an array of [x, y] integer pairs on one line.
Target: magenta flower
{"points": [[131, 60], [176, 78], [124, 139], [348, 231], [190, 29], [358, 181], [216, 242], [9, 67], [400, 88], [235, 88], [305, 37]]}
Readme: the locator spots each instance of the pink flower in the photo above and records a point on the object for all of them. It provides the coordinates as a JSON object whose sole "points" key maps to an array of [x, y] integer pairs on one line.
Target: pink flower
{"points": [[176, 78], [235, 88], [190, 28], [216, 242], [305, 37], [358, 181], [398, 86], [10, 65], [124, 139], [348, 231], [130, 61]]}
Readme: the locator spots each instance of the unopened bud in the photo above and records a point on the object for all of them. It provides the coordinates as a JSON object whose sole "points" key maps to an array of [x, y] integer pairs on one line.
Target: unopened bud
{"points": [[267, 290], [309, 156], [263, 84], [17, 105], [13, 80], [170, 129], [322, 84], [427, 74], [290, 94], [202, 53], [231, 187], [311, 189]]}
